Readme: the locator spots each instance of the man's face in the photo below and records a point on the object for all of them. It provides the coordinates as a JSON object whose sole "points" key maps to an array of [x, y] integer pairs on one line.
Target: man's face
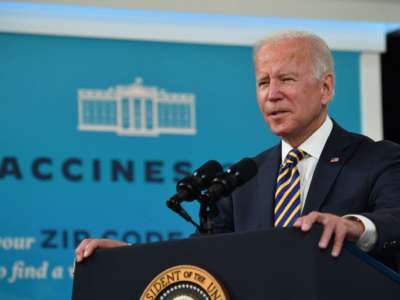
{"points": [[292, 101]]}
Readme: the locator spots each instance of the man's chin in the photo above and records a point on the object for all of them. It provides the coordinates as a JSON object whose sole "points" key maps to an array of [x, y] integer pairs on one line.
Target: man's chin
{"points": [[281, 131]]}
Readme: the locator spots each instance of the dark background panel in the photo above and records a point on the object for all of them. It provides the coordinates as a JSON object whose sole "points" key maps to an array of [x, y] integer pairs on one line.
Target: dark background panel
{"points": [[390, 87]]}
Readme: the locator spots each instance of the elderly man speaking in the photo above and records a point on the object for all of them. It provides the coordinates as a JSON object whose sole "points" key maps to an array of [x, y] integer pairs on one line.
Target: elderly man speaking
{"points": [[319, 173]]}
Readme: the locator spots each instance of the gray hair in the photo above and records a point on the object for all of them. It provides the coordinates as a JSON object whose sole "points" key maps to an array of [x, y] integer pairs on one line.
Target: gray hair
{"points": [[320, 52]]}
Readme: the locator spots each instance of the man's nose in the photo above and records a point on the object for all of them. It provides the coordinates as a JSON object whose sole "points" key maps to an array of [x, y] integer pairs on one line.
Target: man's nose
{"points": [[274, 91]]}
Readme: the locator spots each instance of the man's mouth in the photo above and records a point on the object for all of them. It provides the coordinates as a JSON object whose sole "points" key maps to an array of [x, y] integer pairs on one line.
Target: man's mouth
{"points": [[278, 113]]}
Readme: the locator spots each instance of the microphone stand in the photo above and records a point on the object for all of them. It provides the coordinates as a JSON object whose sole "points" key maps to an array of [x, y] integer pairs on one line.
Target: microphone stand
{"points": [[176, 207], [208, 211]]}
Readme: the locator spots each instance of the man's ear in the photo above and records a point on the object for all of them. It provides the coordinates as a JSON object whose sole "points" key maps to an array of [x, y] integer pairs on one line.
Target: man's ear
{"points": [[327, 88]]}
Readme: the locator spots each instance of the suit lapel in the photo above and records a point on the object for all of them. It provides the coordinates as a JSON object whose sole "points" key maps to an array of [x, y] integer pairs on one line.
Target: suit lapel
{"points": [[266, 185], [329, 166]]}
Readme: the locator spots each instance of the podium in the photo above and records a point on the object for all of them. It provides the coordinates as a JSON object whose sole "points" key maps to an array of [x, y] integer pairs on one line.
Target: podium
{"points": [[270, 264]]}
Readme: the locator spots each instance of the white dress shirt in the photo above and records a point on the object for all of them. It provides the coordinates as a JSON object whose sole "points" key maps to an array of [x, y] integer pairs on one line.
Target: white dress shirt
{"points": [[313, 146]]}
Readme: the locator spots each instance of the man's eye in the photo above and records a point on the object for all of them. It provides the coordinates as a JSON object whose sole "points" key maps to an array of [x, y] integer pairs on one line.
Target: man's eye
{"points": [[262, 83], [288, 79]]}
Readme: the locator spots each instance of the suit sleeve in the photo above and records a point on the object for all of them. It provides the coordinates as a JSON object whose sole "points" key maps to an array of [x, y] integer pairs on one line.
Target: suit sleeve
{"points": [[385, 197]]}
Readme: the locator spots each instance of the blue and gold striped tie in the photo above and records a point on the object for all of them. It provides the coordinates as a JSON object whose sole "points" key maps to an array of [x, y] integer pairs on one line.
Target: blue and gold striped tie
{"points": [[287, 195]]}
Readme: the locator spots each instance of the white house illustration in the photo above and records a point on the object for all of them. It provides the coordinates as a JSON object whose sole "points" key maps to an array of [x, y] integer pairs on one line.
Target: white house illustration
{"points": [[136, 110]]}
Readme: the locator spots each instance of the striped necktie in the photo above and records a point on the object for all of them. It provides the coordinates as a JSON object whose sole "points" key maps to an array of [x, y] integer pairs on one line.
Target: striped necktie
{"points": [[287, 195]]}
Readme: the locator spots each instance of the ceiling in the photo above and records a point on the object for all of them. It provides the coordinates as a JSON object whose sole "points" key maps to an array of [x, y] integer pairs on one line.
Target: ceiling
{"points": [[387, 11]]}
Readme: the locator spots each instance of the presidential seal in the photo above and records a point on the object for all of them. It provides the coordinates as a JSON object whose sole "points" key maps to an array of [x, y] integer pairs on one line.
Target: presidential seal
{"points": [[184, 282]]}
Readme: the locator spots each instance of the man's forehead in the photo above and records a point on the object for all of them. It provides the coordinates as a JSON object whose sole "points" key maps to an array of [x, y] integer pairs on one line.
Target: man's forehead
{"points": [[285, 49], [282, 54]]}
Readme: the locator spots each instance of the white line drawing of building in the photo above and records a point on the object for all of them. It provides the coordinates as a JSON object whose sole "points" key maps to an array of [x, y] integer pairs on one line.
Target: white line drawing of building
{"points": [[136, 110]]}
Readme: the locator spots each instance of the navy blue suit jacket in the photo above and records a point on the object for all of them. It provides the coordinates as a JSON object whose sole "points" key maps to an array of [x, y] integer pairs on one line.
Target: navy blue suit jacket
{"points": [[365, 180]]}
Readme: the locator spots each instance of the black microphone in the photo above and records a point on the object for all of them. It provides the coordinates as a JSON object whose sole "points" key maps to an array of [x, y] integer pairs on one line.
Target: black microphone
{"points": [[190, 187], [225, 183]]}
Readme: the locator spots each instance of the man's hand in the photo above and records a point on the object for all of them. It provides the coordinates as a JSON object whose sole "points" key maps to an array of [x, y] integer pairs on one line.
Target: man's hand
{"points": [[341, 228], [87, 246]]}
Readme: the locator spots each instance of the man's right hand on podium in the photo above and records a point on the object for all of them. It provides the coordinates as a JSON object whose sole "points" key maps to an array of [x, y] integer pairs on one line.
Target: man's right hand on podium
{"points": [[87, 247]]}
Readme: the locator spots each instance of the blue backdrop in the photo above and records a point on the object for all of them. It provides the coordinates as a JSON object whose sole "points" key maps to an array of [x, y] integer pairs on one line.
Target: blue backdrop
{"points": [[44, 209]]}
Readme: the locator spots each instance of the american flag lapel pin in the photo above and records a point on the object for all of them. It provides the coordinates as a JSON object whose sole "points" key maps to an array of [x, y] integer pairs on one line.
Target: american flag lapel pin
{"points": [[334, 160]]}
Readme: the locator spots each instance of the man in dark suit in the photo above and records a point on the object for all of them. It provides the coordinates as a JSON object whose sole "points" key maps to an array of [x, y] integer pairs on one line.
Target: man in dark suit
{"points": [[343, 181], [354, 177], [319, 173]]}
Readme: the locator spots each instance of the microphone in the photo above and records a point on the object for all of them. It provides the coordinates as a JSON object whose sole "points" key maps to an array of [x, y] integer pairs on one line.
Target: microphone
{"points": [[190, 187], [224, 184]]}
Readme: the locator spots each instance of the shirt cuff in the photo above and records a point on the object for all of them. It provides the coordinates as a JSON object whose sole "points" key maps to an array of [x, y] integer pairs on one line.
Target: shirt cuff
{"points": [[368, 239]]}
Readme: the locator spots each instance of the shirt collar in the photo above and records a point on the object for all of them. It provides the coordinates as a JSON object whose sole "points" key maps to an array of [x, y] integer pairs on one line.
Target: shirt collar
{"points": [[314, 145]]}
